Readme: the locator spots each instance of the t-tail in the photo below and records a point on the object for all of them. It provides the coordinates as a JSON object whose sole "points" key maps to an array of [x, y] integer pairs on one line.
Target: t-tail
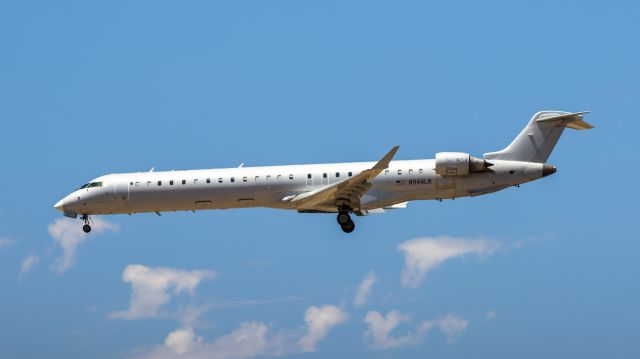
{"points": [[537, 140]]}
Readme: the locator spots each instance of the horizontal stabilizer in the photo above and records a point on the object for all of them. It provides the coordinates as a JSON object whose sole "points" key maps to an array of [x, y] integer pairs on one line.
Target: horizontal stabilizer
{"points": [[571, 120]]}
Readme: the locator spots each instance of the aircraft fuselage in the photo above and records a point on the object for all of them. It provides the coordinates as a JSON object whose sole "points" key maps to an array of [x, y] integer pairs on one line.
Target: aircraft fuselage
{"points": [[357, 187], [267, 186]]}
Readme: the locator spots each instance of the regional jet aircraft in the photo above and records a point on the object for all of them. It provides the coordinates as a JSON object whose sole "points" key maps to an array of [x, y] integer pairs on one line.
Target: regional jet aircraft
{"points": [[358, 188]]}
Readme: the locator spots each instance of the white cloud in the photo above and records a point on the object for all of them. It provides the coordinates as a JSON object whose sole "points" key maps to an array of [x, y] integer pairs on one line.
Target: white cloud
{"points": [[451, 325], [189, 315], [424, 254], [182, 340], [364, 289], [68, 234], [30, 262], [380, 328], [152, 288], [319, 321], [490, 314], [249, 339], [4, 242]]}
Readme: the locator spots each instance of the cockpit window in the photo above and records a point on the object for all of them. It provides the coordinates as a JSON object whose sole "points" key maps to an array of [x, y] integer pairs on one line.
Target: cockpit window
{"points": [[90, 185]]}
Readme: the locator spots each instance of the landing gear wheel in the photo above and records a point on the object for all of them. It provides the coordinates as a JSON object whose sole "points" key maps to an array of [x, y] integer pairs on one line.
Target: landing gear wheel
{"points": [[86, 228], [343, 218], [348, 227]]}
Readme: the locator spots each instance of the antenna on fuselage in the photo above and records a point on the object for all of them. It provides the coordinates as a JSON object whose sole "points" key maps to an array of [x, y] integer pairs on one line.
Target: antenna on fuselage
{"points": [[152, 169], [241, 165]]}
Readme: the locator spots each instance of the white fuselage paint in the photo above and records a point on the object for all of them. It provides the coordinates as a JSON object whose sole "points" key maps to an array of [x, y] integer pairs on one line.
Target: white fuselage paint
{"points": [[267, 186]]}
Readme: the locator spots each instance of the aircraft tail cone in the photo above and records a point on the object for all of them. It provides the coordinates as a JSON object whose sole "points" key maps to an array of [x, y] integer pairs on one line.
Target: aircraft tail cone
{"points": [[548, 170]]}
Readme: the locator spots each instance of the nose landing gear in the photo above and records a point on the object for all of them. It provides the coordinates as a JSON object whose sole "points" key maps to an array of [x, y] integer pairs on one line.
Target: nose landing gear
{"points": [[86, 228], [345, 222]]}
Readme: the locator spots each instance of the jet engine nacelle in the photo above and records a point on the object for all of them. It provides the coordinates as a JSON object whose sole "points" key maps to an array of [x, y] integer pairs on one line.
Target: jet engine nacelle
{"points": [[459, 164]]}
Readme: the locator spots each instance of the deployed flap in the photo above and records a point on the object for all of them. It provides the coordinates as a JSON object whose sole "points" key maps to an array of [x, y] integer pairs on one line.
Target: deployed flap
{"points": [[571, 120], [397, 205], [349, 190]]}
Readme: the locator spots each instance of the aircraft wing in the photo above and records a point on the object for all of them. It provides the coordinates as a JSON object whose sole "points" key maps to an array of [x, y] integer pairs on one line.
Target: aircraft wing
{"points": [[348, 191]]}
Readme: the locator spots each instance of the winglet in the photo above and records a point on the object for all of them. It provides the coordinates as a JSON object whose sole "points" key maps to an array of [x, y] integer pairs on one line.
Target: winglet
{"points": [[384, 162]]}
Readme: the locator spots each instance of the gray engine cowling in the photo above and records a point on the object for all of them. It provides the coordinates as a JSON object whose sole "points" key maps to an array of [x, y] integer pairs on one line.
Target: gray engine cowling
{"points": [[459, 164]]}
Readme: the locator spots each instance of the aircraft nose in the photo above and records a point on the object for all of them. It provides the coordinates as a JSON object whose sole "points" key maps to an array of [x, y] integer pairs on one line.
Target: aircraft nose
{"points": [[60, 205]]}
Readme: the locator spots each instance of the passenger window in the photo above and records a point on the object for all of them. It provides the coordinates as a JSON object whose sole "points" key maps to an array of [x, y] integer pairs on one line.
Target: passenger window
{"points": [[386, 172], [148, 183], [220, 180], [410, 171], [208, 180], [268, 177], [257, 178], [130, 183], [309, 175], [244, 179], [159, 183], [350, 174], [233, 179], [195, 181], [137, 184], [324, 175], [399, 172], [420, 171], [290, 177], [337, 174], [184, 181], [171, 183], [279, 177]]}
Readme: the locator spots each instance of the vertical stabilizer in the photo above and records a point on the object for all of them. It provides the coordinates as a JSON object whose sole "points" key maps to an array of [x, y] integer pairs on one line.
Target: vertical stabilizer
{"points": [[537, 140]]}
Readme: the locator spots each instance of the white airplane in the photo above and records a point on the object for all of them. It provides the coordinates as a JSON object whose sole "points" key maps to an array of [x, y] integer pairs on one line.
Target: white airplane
{"points": [[360, 188]]}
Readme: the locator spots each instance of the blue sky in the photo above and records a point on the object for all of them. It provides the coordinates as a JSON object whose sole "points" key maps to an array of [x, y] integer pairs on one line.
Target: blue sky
{"points": [[545, 270]]}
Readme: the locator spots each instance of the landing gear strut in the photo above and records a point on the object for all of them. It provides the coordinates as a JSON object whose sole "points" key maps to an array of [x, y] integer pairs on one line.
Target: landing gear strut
{"points": [[86, 228], [345, 222]]}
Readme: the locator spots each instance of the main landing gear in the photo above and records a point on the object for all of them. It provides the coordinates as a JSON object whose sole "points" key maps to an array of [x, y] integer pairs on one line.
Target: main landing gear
{"points": [[345, 222], [86, 228]]}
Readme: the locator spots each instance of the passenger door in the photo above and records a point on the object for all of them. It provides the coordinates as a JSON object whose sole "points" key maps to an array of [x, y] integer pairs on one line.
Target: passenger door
{"points": [[121, 191]]}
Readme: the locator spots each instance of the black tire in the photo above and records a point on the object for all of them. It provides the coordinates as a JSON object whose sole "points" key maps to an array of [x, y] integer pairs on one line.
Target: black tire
{"points": [[348, 227], [86, 228], [343, 218]]}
